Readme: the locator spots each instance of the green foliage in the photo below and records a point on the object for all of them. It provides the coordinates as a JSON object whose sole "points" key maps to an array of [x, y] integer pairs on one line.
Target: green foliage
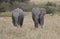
{"points": [[26, 7], [8, 5], [50, 4], [4, 7], [50, 7], [49, 10], [3, 1], [25, 0]]}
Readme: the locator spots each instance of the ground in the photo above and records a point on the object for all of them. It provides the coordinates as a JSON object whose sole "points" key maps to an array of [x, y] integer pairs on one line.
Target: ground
{"points": [[51, 29]]}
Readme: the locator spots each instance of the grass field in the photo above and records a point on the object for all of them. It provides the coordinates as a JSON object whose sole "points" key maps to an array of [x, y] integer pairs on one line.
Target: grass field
{"points": [[51, 29]]}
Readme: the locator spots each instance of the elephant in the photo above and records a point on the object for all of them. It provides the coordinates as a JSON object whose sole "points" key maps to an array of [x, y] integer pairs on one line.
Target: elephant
{"points": [[38, 16], [17, 17]]}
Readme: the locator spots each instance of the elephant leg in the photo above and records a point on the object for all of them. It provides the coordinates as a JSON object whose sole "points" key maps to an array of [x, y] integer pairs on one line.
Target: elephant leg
{"points": [[39, 20], [13, 21], [36, 23], [42, 22], [20, 21], [16, 21]]}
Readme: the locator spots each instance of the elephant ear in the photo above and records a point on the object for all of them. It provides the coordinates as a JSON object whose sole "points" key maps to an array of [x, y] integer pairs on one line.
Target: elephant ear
{"points": [[42, 11]]}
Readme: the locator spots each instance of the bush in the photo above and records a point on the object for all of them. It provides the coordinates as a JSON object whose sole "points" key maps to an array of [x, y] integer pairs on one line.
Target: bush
{"points": [[26, 7], [50, 7], [9, 5], [50, 4], [50, 10], [4, 7]]}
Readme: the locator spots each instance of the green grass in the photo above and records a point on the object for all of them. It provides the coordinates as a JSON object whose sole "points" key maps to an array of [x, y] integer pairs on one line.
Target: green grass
{"points": [[9, 14], [5, 14]]}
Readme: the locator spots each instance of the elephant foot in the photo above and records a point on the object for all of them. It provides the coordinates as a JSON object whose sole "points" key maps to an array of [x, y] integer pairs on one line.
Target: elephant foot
{"points": [[36, 26], [21, 26], [41, 26], [15, 25]]}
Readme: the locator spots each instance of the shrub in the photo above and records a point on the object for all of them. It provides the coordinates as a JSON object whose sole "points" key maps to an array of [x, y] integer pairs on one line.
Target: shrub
{"points": [[50, 4], [25, 6], [50, 7], [4, 7]]}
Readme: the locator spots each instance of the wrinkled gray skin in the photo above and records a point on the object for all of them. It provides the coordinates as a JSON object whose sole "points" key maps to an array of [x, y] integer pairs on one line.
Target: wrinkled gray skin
{"points": [[17, 17], [38, 16]]}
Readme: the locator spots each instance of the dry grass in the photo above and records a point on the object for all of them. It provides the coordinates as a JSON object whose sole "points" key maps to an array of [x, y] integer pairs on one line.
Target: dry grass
{"points": [[51, 28]]}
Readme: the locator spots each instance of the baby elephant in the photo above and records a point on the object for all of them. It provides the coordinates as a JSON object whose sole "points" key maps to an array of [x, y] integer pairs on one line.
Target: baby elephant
{"points": [[38, 16], [17, 17]]}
